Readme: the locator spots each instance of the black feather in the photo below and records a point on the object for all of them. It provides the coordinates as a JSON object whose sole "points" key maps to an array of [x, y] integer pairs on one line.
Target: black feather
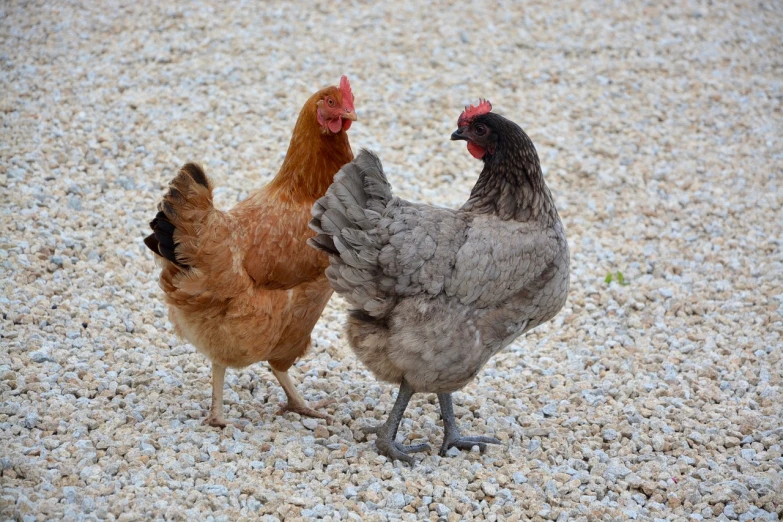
{"points": [[162, 239], [152, 243]]}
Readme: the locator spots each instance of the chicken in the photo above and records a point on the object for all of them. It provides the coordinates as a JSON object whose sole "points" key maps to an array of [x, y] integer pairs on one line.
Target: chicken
{"points": [[435, 292], [242, 286]]}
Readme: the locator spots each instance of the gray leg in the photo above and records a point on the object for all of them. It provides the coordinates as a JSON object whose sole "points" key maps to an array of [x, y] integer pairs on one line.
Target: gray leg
{"points": [[387, 432], [451, 436]]}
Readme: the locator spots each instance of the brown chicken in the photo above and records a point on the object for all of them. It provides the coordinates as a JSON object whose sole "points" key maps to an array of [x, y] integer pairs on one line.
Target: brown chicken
{"points": [[243, 286], [436, 292]]}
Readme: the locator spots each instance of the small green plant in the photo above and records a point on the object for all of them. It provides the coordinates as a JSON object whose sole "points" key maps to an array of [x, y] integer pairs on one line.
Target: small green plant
{"points": [[620, 278]]}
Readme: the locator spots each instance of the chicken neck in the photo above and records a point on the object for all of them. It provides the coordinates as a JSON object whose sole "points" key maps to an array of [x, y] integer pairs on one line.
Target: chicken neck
{"points": [[313, 158], [511, 184]]}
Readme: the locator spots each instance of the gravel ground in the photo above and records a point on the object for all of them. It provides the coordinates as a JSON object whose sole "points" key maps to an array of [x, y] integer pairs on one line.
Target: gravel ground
{"points": [[659, 128]]}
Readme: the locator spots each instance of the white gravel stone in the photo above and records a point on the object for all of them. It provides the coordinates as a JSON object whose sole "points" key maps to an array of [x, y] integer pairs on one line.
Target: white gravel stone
{"points": [[310, 424], [395, 501], [489, 489], [442, 510], [453, 452]]}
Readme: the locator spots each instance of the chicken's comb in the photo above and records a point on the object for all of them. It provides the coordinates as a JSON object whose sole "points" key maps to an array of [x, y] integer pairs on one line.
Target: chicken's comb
{"points": [[471, 112], [345, 89]]}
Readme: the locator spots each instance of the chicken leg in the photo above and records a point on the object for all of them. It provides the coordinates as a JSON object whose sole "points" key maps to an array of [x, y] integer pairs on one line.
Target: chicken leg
{"points": [[215, 417], [387, 432], [451, 436], [296, 402]]}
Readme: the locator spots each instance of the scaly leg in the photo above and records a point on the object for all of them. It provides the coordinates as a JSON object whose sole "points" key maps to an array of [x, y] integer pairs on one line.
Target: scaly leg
{"points": [[451, 436], [296, 402], [387, 432], [215, 417]]}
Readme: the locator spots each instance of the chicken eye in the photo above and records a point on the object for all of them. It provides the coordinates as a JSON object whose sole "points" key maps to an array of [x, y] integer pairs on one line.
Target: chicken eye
{"points": [[330, 102], [480, 129]]}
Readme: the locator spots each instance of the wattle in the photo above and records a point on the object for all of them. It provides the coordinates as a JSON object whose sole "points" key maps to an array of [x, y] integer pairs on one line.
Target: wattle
{"points": [[335, 125], [476, 151]]}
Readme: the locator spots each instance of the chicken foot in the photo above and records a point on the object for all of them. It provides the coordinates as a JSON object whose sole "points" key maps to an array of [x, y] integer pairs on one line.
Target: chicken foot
{"points": [[452, 437], [296, 402], [387, 432]]}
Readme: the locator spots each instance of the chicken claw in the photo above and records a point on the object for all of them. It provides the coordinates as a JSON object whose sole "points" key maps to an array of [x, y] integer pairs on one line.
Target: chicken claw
{"points": [[215, 420], [296, 402], [220, 422], [302, 408], [387, 431], [397, 451], [452, 437], [466, 443], [391, 448]]}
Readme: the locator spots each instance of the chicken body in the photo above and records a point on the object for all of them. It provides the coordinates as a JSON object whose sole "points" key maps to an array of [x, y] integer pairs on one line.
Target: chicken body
{"points": [[441, 332], [242, 286], [436, 292]]}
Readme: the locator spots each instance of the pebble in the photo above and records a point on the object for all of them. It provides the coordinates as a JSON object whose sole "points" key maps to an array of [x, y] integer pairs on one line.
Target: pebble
{"points": [[396, 501], [610, 435], [214, 489], [748, 454], [657, 398], [310, 424], [40, 356], [489, 489], [615, 471], [453, 452], [551, 489]]}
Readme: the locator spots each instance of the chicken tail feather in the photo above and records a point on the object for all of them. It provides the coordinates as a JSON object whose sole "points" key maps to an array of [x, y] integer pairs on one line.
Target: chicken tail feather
{"points": [[343, 221], [181, 214], [359, 186]]}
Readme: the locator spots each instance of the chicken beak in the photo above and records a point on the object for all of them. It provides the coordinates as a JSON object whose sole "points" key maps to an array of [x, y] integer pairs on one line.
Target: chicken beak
{"points": [[350, 116], [458, 134]]}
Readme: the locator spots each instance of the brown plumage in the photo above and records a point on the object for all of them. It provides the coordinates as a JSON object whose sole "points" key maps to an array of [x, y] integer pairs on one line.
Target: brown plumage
{"points": [[436, 292], [242, 286]]}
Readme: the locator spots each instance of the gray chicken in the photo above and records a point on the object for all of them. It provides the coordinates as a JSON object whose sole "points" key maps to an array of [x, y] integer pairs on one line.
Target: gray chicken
{"points": [[436, 292]]}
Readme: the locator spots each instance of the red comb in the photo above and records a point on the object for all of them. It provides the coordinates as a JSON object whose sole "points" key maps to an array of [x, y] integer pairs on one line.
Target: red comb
{"points": [[471, 112], [345, 89]]}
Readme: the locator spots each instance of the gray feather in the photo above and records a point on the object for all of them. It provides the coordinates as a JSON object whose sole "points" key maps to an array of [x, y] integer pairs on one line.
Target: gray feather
{"points": [[332, 222]]}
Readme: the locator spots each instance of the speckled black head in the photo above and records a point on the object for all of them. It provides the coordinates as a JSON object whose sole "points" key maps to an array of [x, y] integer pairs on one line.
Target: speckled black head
{"points": [[495, 139], [511, 179], [482, 133], [473, 134]]}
